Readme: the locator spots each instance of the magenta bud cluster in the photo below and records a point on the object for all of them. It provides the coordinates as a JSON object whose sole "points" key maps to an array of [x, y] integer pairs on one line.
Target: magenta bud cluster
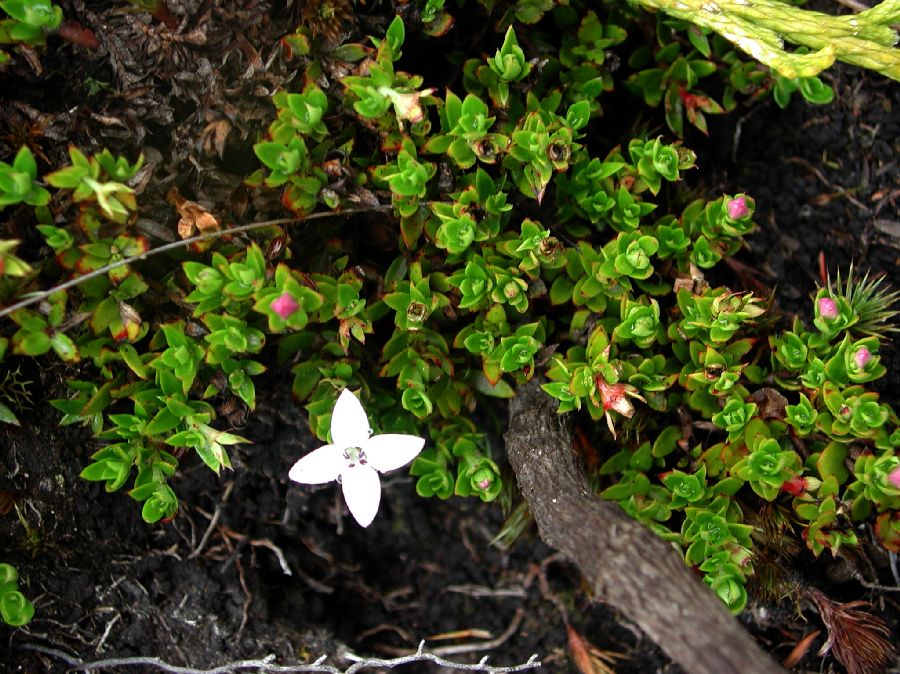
{"points": [[737, 208], [862, 357], [894, 477], [828, 308], [284, 305]]}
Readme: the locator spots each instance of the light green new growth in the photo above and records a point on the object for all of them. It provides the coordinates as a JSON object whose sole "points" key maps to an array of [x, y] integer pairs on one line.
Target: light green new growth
{"points": [[760, 28]]}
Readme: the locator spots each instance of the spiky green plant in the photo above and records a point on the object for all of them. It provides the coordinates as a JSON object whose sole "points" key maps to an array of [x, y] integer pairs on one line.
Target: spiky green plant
{"points": [[872, 302]]}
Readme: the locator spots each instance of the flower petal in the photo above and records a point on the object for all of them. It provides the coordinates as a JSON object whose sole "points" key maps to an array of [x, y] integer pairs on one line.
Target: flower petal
{"points": [[392, 450], [362, 492], [349, 424], [319, 466]]}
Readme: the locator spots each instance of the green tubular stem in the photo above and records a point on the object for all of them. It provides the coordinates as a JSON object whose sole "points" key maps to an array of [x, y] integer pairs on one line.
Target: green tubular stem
{"points": [[759, 28]]}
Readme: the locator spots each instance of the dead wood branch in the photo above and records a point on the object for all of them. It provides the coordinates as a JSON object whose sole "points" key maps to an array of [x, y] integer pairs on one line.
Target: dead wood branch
{"points": [[627, 565]]}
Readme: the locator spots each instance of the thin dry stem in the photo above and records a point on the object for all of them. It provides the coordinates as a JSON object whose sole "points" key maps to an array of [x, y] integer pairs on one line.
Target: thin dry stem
{"points": [[44, 294]]}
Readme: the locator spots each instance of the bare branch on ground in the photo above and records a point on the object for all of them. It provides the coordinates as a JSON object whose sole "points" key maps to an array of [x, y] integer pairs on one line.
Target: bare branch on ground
{"points": [[626, 564]]}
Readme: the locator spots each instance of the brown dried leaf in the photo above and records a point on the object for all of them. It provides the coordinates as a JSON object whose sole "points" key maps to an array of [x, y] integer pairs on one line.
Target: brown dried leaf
{"points": [[800, 650], [860, 641], [683, 282], [31, 56], [588, 658], [409, 106], [131, 323], [140, 180], [7, 501], [108, 120], [578, 648], [194, 217], [363, 198], [254, 62], [198, 36], [470, 633], [889, 227], [74, 32], [154, 229], [695, 282], [770, 402], [214, 136], [162, 13]]}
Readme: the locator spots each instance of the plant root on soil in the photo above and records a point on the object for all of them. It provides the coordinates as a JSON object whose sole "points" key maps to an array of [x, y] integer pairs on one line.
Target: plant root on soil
{"points": [[267, 663]]}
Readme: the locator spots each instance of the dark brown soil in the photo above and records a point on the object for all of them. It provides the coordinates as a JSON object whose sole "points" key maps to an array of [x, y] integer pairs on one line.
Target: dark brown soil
{"points": [[252, 566]]}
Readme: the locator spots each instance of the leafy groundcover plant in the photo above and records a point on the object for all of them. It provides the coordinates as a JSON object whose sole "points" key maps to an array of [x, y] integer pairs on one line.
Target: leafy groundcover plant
{"points": [[15, 609], [477, 237]]}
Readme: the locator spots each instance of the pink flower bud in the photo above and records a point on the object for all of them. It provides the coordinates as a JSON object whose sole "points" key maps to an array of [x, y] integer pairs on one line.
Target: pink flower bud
{"points": [[284, 305], [484, 484], [737, 208], [828, 308], [796, 486], [862, 357], [894, 477]]}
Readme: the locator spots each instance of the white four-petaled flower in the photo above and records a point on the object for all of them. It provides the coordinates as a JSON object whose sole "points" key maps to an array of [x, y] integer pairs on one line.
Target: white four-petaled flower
{"points": [[355, 458]]}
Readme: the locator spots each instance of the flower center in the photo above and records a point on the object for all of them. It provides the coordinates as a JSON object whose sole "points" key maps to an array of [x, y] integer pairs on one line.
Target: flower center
{"points": [[355, 455]]}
